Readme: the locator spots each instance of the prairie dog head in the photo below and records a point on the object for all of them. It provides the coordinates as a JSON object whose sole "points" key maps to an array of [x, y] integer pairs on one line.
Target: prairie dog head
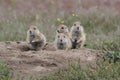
{"points": [[32, 33], [62, 41], [62, 29], [77, 27], [61, 38], [33, 30]]}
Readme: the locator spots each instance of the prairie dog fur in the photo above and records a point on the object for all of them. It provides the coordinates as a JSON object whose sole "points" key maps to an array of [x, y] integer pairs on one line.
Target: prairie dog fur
{"points": [[35, 38], [77, 35], [62, 42]]}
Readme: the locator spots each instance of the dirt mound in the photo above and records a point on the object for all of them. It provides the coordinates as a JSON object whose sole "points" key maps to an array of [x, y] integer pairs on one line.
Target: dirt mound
{"points": [[24, 62]]}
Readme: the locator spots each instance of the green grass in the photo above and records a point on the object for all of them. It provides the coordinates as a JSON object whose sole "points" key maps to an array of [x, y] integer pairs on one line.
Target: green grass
{"points": [[112, 56], [4, 72]]}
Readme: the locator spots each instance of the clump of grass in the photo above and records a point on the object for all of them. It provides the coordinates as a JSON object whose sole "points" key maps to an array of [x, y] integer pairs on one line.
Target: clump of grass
{"points": [[112, 56], [4, 72]]}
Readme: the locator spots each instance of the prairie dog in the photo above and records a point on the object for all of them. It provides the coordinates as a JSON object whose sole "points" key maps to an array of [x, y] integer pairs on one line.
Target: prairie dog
{"points": [[63, 29], [35, 38], [62, 42], [77, 35]]}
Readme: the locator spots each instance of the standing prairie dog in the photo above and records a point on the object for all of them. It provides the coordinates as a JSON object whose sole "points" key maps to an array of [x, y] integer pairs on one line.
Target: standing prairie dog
{"points": [[62, 42], [77, 35], [63, 29], [35, 38]]}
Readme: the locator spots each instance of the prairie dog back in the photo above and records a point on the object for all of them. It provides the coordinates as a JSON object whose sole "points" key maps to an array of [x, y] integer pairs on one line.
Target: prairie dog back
{"points": [[35, 37], [77, 35], [62, 42]]}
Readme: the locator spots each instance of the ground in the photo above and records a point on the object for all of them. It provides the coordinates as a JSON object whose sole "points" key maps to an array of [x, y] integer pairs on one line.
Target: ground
{"points": [[23, 62]]}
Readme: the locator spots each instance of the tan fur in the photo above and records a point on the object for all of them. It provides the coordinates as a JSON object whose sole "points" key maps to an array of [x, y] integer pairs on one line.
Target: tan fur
{"points": [[63, 29], [77, 35], [62, 42], [35, 38]]}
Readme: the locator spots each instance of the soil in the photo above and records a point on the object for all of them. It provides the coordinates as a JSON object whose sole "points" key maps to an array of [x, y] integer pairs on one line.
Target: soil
{"points": [[25, 63]]}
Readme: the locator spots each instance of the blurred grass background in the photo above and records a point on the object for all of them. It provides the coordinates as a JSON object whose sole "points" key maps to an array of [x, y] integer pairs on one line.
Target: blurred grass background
{"points": [[100, 18]]}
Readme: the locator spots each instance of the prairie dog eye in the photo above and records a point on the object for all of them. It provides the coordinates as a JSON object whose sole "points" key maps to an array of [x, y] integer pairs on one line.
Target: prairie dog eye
{"points": [[34, 28], [64, 36], [62, 27], [74, 24], [58, 36]]}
